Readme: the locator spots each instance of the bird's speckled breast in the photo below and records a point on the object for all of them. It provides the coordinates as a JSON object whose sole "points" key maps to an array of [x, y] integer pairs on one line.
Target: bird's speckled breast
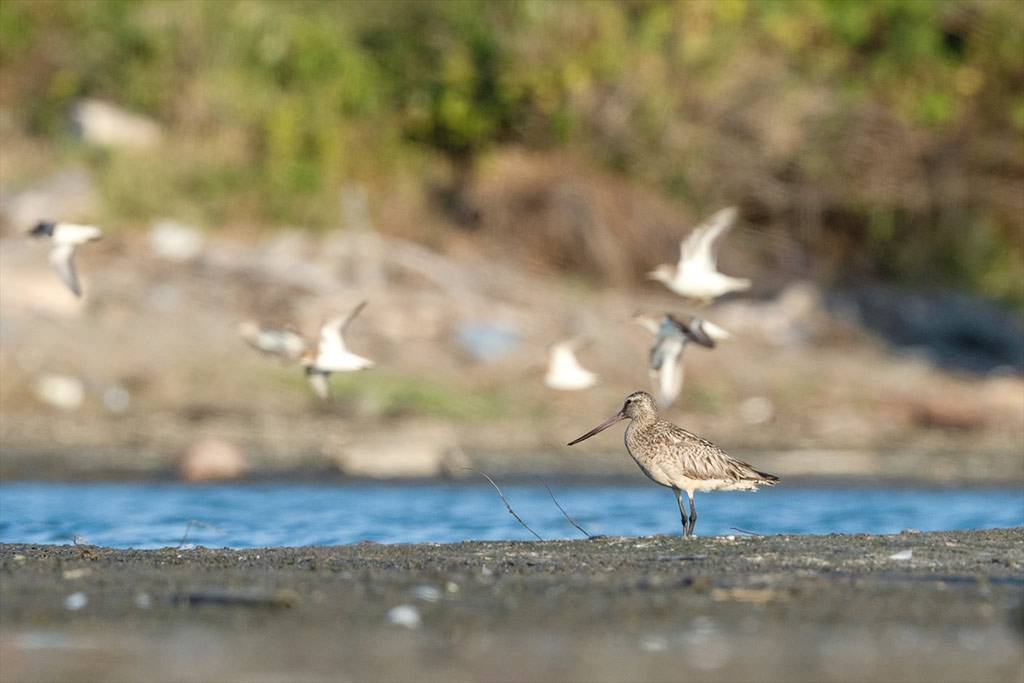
{"points": [[644, 450]]}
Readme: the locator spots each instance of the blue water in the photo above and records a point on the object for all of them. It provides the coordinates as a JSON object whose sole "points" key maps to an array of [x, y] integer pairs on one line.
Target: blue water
{"points": [[244, 516]]}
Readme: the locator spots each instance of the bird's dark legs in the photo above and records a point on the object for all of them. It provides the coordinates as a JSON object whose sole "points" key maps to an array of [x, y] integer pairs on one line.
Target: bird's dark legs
{"points": [[693, 514], [682, 512]]}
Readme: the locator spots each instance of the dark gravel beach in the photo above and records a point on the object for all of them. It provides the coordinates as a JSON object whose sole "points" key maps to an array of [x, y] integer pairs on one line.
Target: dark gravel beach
{"points": [[929, 607]]}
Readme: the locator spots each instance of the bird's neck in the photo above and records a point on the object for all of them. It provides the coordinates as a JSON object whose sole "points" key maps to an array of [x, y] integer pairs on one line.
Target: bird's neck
{"points": [[643, 420]]}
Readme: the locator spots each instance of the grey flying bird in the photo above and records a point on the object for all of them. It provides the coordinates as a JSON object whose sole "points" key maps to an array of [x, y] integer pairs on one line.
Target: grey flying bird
{"points": [[671, 335]]}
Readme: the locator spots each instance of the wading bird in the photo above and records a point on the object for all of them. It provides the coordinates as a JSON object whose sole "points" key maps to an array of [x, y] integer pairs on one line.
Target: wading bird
{"points": [[331, 355], [682, 461], [565, 372], [65, 237], [696, 275], [671, 335]]}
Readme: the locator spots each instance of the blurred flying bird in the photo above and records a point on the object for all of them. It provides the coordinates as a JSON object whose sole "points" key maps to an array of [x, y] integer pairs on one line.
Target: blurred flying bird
{"points": [[678, 459], [671, 335], [331, 354], [65, 238], [565, 372], [284, 344], [696, 275]]}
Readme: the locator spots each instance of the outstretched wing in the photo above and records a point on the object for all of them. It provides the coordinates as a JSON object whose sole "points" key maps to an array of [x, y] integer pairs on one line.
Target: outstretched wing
{"points": [[331, 334], [351, 316], [711, 330], [62, 258], [691, 327], [698, 250], [666, 367]]}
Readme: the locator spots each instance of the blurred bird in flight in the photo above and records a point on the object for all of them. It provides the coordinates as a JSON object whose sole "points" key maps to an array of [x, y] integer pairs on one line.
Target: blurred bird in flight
{"points": [[65, 238], [284, 344], [565, 372], [696, 275], [671, 335], [331, 355]]}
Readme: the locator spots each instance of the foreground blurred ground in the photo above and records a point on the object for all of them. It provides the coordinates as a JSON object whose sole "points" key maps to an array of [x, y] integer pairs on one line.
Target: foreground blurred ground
{"points": [[910, 607], [156, 367]]}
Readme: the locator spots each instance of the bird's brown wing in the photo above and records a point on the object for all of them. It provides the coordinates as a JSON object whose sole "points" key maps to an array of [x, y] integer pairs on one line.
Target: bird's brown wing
{"points": [[701, 459]]}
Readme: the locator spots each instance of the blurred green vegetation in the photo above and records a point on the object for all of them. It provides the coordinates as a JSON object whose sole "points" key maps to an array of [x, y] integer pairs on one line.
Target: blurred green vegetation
{"points": [[888, 135], [390, 395]]}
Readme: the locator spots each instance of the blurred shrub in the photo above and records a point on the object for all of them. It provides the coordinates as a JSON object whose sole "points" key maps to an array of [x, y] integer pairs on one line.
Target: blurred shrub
{"points": [[887, 136]]}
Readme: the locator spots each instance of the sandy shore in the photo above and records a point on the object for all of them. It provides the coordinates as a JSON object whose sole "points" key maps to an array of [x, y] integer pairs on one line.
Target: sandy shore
{"points": [[934, 607]]}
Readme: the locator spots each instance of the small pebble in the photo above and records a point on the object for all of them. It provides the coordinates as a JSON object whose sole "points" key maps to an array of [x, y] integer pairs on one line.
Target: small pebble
{"points": [[404, 615], [653, 644], [902, 555], [143, 601], [70, 574], [76, 601], [426, 593], [451, 587]]}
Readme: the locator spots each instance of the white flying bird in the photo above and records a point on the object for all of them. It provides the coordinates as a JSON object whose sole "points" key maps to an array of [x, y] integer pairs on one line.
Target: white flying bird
{"points": [[565, 372], [284, 344], [696, 275], [65, 237], [671, 335], [331, 354]]}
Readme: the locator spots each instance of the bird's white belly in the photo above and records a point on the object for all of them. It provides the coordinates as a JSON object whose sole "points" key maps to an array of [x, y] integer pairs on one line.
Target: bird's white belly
{"points": [[342, 362], [694, 485], [655, 473], [703, 284]]}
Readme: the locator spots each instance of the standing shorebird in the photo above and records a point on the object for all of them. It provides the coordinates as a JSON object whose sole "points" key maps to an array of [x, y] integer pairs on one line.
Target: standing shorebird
{"points": [[671, 335], [696, 275], [682, 461], [565, 372], [65, 237], [332, 355]]}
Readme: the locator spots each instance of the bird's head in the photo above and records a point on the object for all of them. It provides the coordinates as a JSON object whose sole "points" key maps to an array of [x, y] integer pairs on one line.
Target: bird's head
{"points": [[637, 404], [42, 229]]}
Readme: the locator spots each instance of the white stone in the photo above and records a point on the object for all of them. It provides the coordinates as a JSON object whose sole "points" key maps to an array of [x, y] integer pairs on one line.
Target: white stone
{"points": [[107, 125], [426, 593], [175, 241], [757, 410], [76, 601], [60, 391], [405, 615]]}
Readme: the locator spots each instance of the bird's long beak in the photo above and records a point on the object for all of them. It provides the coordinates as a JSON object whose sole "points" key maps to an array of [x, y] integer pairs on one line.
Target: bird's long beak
{"points": [[601, 427]]}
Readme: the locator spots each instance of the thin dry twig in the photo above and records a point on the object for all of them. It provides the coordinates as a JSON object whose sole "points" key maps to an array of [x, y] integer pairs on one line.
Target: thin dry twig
{"points": [[505, 501], [744, 531], [566, 514], [196, 522]]}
